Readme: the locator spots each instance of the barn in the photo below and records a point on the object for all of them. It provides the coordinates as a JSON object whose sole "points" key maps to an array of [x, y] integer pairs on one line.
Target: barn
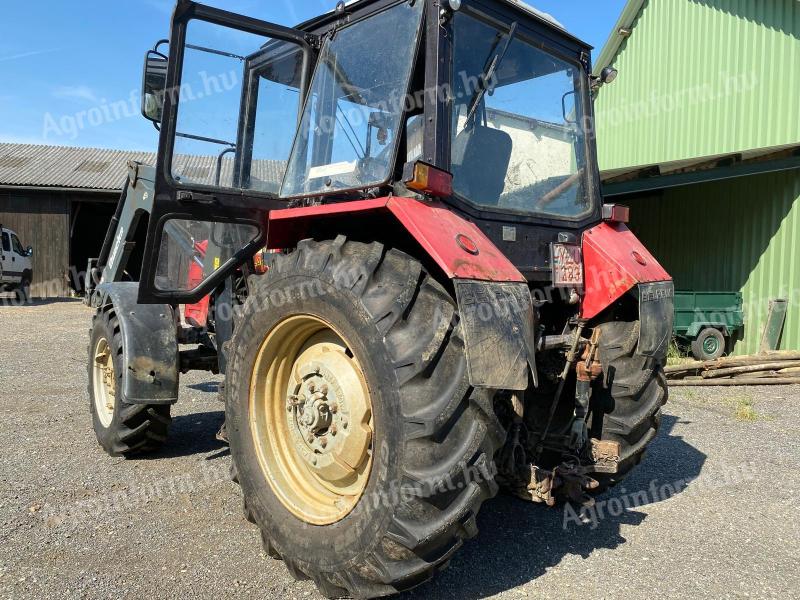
{"points": [[700, 136], [60, 200]]}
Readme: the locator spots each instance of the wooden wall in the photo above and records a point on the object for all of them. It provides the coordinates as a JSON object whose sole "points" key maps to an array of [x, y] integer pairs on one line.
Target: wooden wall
{"points": [[41, 220]]}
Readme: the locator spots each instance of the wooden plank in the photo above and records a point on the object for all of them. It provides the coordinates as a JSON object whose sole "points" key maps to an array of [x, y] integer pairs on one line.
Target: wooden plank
{"points": [[731, 382], [734, 361], [750, 369]]}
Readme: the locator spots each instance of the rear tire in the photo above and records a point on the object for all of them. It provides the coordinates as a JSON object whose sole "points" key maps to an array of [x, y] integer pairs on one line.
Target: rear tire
{"points": [[122, 429], [433, 436], [626, 407]]}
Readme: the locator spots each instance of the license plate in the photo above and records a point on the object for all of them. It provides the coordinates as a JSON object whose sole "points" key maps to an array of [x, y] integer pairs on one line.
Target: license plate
{"points": [[567, 265]]}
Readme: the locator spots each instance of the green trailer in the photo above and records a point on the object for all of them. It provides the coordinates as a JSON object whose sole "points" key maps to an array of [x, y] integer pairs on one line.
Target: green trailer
{"points": [[706, 321]]}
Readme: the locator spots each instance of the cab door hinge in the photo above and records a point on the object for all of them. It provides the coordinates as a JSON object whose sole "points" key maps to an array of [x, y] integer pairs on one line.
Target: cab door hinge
{"points": [[314, 41]]}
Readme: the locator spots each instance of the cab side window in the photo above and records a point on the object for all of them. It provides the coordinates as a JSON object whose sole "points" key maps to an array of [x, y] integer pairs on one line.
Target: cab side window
{"points": [[17, 246], [6, 243]]}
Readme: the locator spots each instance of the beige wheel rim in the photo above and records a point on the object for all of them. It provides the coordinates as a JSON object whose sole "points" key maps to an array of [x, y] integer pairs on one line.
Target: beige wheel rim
{"points": [[104, 382], [311, 419]]}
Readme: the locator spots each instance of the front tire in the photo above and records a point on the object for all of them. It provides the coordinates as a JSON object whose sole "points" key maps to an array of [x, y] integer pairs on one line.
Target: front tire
{"points": [[122, 429], [432, 437], [23, 292]]}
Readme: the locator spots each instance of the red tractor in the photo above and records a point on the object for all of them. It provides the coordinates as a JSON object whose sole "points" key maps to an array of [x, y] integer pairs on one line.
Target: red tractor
{"points": [[387, 224]]}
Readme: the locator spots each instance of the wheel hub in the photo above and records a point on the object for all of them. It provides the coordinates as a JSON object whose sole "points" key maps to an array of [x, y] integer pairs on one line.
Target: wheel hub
{"points": [[312, 419], [105, 384]]}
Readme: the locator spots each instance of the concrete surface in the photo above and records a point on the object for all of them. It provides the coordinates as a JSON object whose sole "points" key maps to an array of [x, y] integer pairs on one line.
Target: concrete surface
{"points": [[76, 523]]}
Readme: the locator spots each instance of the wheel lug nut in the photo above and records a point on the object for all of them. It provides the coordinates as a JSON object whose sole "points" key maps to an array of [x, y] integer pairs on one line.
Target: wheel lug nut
{"points": [[333, 429], [311, 386], [310, 438], [334, 408], [323, 442]]}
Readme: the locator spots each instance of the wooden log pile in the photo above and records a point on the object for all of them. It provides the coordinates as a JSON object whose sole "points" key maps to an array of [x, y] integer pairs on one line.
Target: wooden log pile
{"points": [[769, 368]]}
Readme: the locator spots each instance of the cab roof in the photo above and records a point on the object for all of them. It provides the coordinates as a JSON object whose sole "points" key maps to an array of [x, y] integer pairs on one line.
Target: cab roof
{"points": [[519, 4]]}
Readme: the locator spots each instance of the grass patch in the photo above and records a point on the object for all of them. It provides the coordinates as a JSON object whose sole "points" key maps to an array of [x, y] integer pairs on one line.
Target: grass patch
{"points": [[675, 355], [744, 409]]}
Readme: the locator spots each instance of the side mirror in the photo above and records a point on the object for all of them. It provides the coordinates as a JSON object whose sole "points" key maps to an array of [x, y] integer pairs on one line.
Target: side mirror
{"points": [[154, 84], [29, 251]]}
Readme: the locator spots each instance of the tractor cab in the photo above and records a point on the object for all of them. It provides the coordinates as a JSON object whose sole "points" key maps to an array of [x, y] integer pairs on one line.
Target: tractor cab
{"points": [[484, 105]]}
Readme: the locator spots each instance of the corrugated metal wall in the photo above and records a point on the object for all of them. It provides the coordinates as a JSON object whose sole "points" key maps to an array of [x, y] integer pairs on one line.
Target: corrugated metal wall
{"points": [[41, 219], [702, 78], [740, 234]]}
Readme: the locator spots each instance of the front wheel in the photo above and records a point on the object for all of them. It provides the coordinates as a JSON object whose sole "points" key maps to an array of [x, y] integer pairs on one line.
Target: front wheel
{"points": [[23, 292], [122, 428], [362, 452]]}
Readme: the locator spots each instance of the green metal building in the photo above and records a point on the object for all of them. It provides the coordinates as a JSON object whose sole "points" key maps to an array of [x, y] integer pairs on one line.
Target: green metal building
{"points": [[700, 136]]}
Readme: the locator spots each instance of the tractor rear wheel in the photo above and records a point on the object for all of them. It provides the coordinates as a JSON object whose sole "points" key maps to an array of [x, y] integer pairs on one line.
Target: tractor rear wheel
{"points": [[626, 407], [362, 452], [122, 429]]}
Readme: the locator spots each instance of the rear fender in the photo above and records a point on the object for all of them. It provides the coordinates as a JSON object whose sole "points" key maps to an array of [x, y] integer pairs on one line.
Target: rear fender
{"points": [[494, 300], [614, 262], [149, 342]]}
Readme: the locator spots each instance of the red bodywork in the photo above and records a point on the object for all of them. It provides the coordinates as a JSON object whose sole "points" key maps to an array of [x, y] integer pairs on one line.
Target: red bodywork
{"points": [[197, 314], [460, 249], [614, 261]]}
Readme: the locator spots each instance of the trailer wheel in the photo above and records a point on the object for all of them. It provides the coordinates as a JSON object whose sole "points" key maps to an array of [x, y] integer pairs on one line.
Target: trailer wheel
{"points": [[362, 452], [626, 406], [709, 344], [122, 429]]}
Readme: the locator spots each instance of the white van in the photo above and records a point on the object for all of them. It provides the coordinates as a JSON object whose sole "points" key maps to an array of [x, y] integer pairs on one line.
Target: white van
{"points": [[16, 269]]}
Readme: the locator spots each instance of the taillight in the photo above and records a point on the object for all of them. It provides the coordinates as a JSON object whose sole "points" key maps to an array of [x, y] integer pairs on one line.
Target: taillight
{"points": [[427, 179], [616, 213]]}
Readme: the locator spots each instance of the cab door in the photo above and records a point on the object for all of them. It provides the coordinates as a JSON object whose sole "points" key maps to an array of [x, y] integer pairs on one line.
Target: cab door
{"points": [[234, 90], [8, 274]]}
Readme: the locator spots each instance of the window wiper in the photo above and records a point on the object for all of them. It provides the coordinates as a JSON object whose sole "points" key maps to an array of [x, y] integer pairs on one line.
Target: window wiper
{"points": [[492, 65]]}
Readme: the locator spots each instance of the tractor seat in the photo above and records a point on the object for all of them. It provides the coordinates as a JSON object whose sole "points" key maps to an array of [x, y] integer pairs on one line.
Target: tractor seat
{"points": [[481, 156]]}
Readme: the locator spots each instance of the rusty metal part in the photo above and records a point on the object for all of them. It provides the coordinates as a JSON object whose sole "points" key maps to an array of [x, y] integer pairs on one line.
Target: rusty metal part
{"points": [[513, 457], [567, 482], [605, 455], [587, 369]]}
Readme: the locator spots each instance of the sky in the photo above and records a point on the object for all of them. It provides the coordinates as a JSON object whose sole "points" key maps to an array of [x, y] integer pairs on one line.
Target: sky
{"points": [[59, 59]]}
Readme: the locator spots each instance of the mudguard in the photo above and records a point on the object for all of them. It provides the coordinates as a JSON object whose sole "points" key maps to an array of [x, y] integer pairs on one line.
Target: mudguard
{"points": [[149, 341], [494, 301], [460, 249], [499, 332], [614, 262]]}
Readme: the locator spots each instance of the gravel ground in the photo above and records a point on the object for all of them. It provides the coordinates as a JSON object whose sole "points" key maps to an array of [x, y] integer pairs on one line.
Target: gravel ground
{"points": [[76, 523]]}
